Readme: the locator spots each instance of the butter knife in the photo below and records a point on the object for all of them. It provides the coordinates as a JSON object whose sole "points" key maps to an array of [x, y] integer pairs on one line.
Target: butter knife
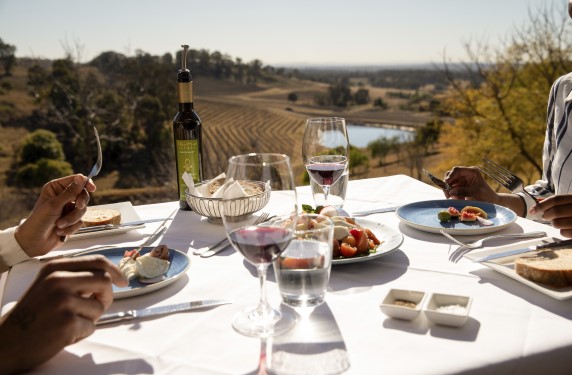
{"points": [[440, 183], [504, 254], [374, 211], [159, 310], [97, 228]]}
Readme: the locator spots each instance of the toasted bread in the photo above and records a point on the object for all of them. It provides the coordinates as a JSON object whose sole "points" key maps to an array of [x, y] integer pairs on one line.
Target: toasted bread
{"points": [[549, 267], [100, 216]]}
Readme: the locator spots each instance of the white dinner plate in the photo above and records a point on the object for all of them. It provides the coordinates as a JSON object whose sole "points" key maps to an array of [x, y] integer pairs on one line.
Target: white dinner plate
{"points": [[423, 216], [128, 214], [506, 267], [180, 263], [390, 239]]}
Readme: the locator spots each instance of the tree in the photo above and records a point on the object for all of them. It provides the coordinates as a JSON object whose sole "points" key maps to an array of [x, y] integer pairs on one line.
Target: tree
{"points": [[504, 116], [7, 57], [379, 148], [340, 94], [380, 103], [293, 97], [362, 97]]}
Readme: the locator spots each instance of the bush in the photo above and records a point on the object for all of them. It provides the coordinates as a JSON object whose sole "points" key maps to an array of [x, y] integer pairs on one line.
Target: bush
{"points": [[44, 170], [41, 144]]}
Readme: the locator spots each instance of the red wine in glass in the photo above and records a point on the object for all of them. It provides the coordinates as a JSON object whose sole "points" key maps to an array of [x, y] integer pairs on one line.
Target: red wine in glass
{"points": [[261, 244], [325, 173]]}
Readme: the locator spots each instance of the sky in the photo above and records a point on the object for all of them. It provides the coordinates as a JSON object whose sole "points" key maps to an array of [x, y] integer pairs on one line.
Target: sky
{"points": [[279, 33]]}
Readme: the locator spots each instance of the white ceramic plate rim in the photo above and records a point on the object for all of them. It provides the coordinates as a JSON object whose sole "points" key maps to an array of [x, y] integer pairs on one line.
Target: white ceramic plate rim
{"points": [[128, 214], [120, 294], [505, 266], [458, 231], [391, 238]]}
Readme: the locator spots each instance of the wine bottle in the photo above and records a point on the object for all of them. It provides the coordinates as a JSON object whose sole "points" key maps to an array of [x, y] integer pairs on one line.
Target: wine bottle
{"points": [[187, 129]]}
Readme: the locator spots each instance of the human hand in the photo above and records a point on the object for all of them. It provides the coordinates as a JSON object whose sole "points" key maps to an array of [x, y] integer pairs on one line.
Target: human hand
{"points": [[558, 210], [47, 223], [59, 309], [468, 183]]}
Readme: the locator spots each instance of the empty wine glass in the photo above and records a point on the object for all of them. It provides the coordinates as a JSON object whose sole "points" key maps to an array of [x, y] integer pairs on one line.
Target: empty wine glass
{"points": [[262, 243], [325, 150]]}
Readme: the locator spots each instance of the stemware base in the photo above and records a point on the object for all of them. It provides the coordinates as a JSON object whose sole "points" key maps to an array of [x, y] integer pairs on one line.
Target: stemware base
{"points": [[251, 322]]}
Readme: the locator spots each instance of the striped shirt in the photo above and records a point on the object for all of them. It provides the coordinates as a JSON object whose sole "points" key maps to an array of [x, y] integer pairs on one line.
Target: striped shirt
{"points": [[557, 151]]}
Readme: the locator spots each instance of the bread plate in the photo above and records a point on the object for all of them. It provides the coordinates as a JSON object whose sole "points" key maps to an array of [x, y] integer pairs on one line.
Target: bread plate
{"points": [[506, 267], [128, 214], [390, 239], [179, 265]]}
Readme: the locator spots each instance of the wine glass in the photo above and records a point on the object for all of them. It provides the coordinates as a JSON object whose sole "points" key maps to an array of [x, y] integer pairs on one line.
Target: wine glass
{"points": [[262, 243], [325, 151]]}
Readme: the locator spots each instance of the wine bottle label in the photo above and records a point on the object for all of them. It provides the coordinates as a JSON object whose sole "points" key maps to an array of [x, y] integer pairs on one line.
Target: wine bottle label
{"points": [[185, 91], [187, 161]]}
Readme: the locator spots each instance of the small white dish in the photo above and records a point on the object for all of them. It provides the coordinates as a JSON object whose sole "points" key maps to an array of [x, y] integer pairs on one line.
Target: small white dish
{"points": [[393, 306], [448, 310]]}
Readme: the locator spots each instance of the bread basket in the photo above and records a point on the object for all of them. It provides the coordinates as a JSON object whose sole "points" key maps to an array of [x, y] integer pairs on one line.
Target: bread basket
{"points": [[211, 208]]}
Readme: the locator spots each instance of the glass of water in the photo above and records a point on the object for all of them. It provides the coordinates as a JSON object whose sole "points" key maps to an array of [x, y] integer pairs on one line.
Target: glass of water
{"points": [[303, 270]]}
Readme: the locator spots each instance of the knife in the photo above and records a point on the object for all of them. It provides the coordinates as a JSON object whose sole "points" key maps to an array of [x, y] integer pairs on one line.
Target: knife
{"points": [[509, 253], [160, 310], [375, 211], [440, 183], [97, 228]]}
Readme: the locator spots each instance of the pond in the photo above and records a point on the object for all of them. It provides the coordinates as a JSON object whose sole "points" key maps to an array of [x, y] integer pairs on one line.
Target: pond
{"points": [[361, 135]]}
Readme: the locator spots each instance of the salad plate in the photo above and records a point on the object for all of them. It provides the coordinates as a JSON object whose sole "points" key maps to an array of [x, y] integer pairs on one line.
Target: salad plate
{"points": [[423, 216], [390, 239], [179, 265]]}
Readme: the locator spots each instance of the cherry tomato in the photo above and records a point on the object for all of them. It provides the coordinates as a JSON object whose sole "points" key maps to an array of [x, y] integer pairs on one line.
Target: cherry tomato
{"points": [[350, 240], [347, 250], [363, 245], [336, 249], [357, 233], [372, 237]]}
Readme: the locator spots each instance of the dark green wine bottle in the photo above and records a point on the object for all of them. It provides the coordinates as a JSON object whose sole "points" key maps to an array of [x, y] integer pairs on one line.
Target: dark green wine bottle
{"points": [[187, 132]]}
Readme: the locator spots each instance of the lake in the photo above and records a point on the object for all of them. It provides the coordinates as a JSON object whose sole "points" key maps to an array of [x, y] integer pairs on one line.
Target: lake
{"points": [[360, 135]]}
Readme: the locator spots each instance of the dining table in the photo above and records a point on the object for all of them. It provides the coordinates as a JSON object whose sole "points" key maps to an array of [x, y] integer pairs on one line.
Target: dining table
{"points": [[512, 328]]}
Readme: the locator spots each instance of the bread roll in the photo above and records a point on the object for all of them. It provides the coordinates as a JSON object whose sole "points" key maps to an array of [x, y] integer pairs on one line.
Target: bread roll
{"points": [[549, 267], [100, 216]]}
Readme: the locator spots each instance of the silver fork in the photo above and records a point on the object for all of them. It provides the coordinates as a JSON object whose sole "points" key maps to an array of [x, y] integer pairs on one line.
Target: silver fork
{"points": [[479, 243], [94, 172], [504, 177], [219, 246], [147, 242]]}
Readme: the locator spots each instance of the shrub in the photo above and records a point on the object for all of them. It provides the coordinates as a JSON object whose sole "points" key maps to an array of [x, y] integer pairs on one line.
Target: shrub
{"points": [[41, 144], [38, 173]]}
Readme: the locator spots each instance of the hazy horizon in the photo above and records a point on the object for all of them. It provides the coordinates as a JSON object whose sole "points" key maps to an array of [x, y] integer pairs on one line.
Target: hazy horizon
{"points": [[294, 34]]}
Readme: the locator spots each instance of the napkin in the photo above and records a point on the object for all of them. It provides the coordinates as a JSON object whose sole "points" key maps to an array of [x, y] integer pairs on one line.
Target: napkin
{"points": [[203, 189]]}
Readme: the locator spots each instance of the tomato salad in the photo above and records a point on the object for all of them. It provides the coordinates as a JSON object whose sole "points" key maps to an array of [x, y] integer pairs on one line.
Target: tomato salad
{"points": [[350, 239]]}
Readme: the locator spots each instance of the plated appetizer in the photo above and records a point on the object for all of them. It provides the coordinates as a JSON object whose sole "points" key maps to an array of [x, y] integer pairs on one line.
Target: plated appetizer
{"points": [[149, 266], [467, 214], [350, 239]]}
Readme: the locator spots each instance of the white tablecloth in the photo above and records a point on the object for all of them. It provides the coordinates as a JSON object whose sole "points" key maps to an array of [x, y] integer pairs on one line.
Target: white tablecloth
{"points": [[512, 329]]}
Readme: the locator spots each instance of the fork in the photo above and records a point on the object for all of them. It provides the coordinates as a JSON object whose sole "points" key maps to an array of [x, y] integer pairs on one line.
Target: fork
{"points": [[94, 172], [479, 243], [147, 242], [504, 177], [219, 246]]}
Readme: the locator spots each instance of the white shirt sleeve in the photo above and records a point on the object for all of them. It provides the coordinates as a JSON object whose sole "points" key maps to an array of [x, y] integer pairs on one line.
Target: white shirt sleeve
{"points": [[10, 251]]}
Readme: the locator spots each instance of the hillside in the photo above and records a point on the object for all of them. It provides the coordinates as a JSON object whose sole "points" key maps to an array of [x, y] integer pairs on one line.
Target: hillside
{"points": [[237, 118]]}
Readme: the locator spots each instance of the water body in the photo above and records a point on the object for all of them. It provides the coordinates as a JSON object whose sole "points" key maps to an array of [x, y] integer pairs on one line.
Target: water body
{"points": [[360, 135]]}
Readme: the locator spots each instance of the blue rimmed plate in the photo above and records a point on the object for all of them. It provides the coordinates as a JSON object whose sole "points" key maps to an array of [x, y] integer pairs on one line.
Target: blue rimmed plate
{"points": [[423, 216], [179, 265]]}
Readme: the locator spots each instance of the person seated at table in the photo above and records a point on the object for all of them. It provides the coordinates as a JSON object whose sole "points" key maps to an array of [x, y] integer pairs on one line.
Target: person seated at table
{"points": [[555, 187], [68, 296], [45, 227]]}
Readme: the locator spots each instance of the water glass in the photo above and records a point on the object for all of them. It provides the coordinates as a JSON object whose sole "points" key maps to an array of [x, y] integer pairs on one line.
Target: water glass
{"points": [[303, 270], [337, 194]]}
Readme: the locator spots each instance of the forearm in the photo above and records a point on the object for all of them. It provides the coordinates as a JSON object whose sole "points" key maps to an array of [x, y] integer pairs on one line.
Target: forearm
{"points": [[514, 202]]}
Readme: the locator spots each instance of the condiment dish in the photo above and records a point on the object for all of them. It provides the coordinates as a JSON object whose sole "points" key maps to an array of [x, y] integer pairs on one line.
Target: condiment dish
{"points": [[402, 304], [447, 309]]}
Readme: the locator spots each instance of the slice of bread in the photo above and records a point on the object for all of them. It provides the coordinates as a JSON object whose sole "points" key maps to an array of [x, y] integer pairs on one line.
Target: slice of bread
{"points": [[549, 267], [100, 216]]}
